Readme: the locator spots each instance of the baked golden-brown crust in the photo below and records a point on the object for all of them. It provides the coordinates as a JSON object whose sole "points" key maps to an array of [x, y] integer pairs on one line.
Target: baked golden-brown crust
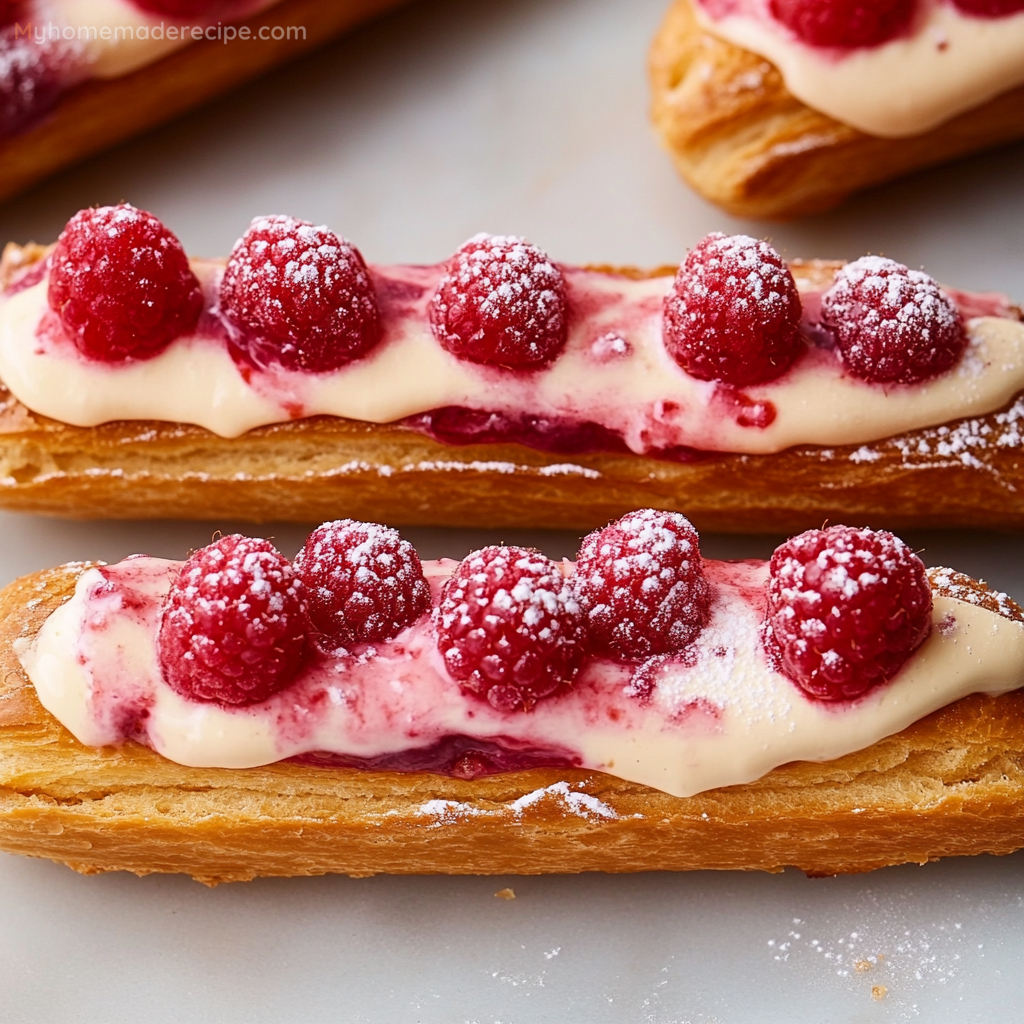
{"points": [[966, 473], [98, 114], [952, 784], [742, 140]]}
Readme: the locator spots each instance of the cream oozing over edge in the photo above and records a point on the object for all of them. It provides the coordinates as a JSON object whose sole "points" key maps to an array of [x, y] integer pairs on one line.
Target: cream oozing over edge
{"points": [[717, 715], [948, 64], [615, 372]]}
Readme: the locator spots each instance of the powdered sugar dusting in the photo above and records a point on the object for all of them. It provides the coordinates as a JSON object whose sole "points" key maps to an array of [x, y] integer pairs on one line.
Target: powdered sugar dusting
{"points": [[969, 443], [964, 588], [892, 324], [508, 626], [733, 312], [501, 301], [570, 801], [298, 296], [846, 609], [581, 804], [641, 585], [33, 76], [363, 582]]}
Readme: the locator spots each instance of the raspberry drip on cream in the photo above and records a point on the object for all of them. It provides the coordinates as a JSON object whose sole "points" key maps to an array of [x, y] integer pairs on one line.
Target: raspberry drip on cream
{"points": [[918, 64], [717, 714], [641, 364]]}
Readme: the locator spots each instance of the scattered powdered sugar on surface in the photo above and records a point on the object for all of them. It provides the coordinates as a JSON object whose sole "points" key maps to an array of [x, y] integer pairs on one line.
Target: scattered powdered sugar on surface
{"points": [[964, 588], [569, 469], [864, 454], [966, 443], [582, 805], [721, 666], [448, 812], [890, 947], [609, 347], [432, 466]]}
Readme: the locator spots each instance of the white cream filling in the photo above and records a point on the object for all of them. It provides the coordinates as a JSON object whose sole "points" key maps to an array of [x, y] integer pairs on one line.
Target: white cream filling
{"points": [[635, 389], [723, 720], [951, 63], [118, 37]]}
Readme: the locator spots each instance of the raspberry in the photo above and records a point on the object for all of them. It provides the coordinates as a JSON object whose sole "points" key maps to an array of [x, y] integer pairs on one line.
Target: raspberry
{"points": [[508, 627], [299, 296], [893, 325], [178, 8], [32, 75], [641, 586], [733, 313], [232, 630], [501, 302], [363, 583], [844, 23], [121, 284], [846, 608], [989, 8]]}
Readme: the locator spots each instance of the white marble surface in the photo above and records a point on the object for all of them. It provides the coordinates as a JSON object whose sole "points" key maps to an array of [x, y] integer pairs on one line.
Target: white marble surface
{"points": [[525, 116]]}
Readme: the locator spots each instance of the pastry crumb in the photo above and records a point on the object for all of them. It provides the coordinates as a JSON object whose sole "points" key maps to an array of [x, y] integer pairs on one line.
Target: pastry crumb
{"points": [[861, 966], [878, 992], [505, 894]]}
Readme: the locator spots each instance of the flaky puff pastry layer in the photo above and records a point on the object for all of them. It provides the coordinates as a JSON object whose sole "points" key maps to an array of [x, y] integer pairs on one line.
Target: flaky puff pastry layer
{"points": [[743, 141], [100, 113], [952, 784], [965, 473]]}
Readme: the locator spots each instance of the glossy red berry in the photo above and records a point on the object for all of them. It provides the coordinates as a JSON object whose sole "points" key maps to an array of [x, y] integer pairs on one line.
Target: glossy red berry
{"points": [[733, 313], [846, 609], [363, 583], [298, 296], [121, 284], [893, 325], [508, 627], [501, 302], [989, 8], [233, 624], [641, 586], [845, 23], [179, 8]]}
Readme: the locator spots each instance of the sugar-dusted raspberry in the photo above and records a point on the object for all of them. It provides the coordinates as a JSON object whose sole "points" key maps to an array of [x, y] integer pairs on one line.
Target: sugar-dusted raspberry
{"points": [[989, 8], [233, 624], [508, 627], [641, 586], [32, 75], [501, 302], [893, 325], [121, 284], [363, 583], [845, 23], [299, 296], [179, 8], [846, 608], [733, 313]]}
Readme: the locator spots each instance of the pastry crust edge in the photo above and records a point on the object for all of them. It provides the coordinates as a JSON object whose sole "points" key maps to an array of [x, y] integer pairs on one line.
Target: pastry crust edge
{"points": [[743, 141], [952, 784], [324, 467]]}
